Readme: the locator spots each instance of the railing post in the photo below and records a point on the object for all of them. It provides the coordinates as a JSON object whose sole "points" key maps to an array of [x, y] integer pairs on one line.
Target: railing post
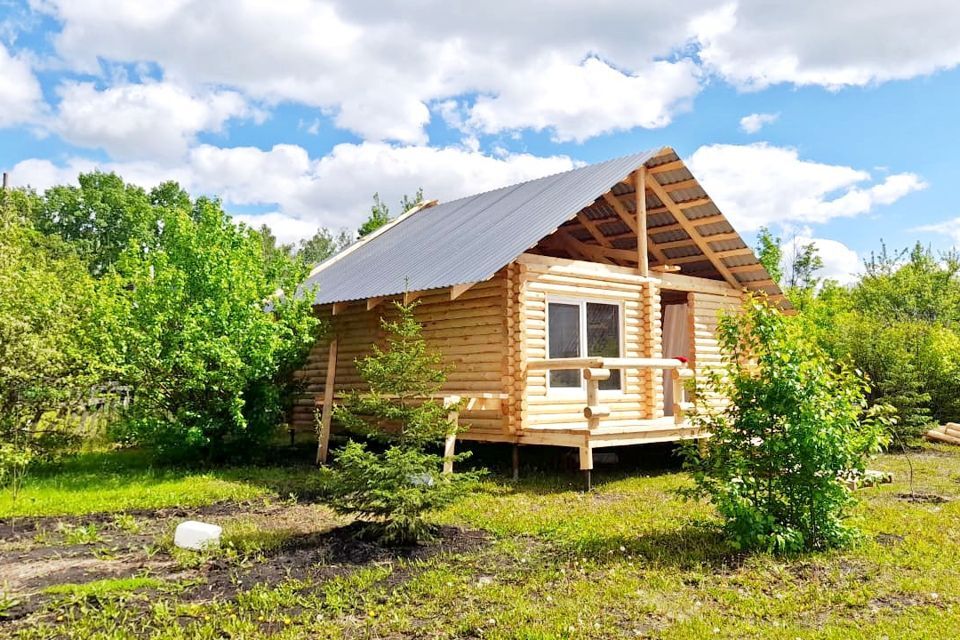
{"points": [[680, 406], [594, 410]]}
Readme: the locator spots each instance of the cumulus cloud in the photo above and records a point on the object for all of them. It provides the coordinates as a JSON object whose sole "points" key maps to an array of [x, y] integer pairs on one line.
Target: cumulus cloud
{"points": [[305, 193], [756, 121], [20, 97], [580, 101], [840, 262], [153, 120], [950, 228], [411, 57], [759, 184], [756, 43]]}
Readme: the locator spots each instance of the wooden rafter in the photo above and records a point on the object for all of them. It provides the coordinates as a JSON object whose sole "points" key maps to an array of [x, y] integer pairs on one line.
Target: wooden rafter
{"points": [[372, 303], [628, 220], [666, 166], [410, 296], [593, 229], [698, 222], [691, 230], [458, 290], [338, 308]]}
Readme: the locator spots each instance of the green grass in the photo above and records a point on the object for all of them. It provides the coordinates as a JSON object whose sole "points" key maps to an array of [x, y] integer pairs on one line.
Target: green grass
{"points": [[107, 587], [98, 482], [630, 560]]}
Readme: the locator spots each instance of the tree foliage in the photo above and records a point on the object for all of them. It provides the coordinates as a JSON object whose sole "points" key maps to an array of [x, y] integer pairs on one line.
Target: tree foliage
{"points": [[207, 360], [322, 245], [56, 336], [154, 290], [770, 253], [380, 212], [796, 424], [393, 490]]}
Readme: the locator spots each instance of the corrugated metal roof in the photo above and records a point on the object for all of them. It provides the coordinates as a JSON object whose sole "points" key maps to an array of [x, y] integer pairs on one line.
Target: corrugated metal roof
{"points": [[465, 240]]}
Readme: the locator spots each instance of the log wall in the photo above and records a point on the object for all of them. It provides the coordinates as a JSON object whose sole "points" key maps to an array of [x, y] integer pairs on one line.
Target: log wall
{"points": [[470, 333], [541, 279], [703, 313]]}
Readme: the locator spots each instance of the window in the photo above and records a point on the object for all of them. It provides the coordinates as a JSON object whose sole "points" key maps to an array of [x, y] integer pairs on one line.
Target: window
{"points": [[581, 329]]}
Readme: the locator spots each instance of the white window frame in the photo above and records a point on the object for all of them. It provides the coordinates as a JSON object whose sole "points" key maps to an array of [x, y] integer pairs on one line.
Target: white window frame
{"points": [[582, 304]]}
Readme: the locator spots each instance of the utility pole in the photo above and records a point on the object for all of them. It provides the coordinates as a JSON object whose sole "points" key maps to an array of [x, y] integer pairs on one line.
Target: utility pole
{"points": [[6, 180]]}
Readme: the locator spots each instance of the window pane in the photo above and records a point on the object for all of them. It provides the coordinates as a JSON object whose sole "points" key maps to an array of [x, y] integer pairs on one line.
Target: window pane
{"points": [[563, 322], [603, 337]]}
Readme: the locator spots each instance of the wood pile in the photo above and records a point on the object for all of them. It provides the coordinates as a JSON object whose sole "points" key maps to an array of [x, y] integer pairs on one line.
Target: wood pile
{"points": [[949, 433]]}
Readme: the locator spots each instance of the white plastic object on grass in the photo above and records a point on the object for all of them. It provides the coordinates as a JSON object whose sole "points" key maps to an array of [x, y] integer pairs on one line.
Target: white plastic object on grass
{"points": [[197, 535]]}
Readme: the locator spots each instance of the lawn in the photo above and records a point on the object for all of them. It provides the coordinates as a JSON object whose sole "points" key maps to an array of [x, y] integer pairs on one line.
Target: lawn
{"points": [[533, 559]]}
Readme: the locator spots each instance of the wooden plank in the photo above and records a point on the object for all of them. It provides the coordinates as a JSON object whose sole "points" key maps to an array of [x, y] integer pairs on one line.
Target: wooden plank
{"points": [[691, 230], [323, 438], [411, 296], [667, 166], [696, 222], [338, 308], [372, 303], [458, 290]]}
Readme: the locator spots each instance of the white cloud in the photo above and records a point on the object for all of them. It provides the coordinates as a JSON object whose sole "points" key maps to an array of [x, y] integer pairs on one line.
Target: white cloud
{"points": [[287, 229], [756, 121], [154, 120], [756, 43], [333, 191], [949, 228], [840, 262], [378, 66], [580, 101], [20, 97], [759, 184]]}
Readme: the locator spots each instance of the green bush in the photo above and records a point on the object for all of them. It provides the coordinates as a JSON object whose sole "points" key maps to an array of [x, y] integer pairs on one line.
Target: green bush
{"points": [[209, 363], [796, 423], [392, 491]]}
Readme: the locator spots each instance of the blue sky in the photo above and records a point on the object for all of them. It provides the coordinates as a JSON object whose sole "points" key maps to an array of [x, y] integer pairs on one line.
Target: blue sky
{"points": [[832, 124]]}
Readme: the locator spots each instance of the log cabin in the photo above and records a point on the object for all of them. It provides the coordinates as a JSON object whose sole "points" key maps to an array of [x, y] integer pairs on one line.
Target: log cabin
{"points": [[569, 310]]}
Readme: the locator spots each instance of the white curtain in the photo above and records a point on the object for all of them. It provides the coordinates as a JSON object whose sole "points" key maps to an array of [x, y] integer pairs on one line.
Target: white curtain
{"points": [[676, 342]]}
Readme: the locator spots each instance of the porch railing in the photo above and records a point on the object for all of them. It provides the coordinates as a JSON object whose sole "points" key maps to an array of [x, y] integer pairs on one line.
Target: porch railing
{"points": [[597, 369]]}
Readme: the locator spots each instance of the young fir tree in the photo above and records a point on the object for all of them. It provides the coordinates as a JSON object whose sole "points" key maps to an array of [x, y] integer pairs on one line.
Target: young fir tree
{"points": [[391, 491]]}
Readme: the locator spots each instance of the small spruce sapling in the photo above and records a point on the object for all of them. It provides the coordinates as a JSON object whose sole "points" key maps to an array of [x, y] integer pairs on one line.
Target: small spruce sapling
{"points": [[391, 491]]}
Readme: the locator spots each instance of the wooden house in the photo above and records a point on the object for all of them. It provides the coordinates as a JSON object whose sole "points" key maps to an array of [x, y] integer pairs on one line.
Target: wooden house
{"points": [[564, 307]]}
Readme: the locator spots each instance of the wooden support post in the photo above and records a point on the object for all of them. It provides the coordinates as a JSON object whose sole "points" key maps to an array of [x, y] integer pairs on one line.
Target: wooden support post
{"points": [[516, 462], [586, 466], [323, 438], [450, 444], [640, 182]]}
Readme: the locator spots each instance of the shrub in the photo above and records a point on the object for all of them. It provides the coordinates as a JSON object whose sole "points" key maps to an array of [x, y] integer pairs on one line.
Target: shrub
{"points": [[795, 423], [208, 361], [391, 491]]}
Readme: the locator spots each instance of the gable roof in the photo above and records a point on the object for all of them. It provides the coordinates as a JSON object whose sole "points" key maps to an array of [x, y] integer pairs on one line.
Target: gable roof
{"points": [[468, 240]]}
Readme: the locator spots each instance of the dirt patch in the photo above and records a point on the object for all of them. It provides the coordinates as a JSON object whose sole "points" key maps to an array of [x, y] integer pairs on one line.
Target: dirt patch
{"points": [[920, 497], [888, 539], [325, 556], [27, 527]]}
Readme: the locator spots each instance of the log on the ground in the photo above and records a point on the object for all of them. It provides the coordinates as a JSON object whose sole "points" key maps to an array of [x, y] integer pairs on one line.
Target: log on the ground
{"points": [[940, 436]]}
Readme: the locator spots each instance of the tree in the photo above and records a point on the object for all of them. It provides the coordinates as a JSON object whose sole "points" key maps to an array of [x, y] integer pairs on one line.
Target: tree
{"points": [[804, 265], [56, 337], [392, 491], [207, 360], [770, 253], [380, 213], [795, 425], [322, 245], [103, 216]]}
